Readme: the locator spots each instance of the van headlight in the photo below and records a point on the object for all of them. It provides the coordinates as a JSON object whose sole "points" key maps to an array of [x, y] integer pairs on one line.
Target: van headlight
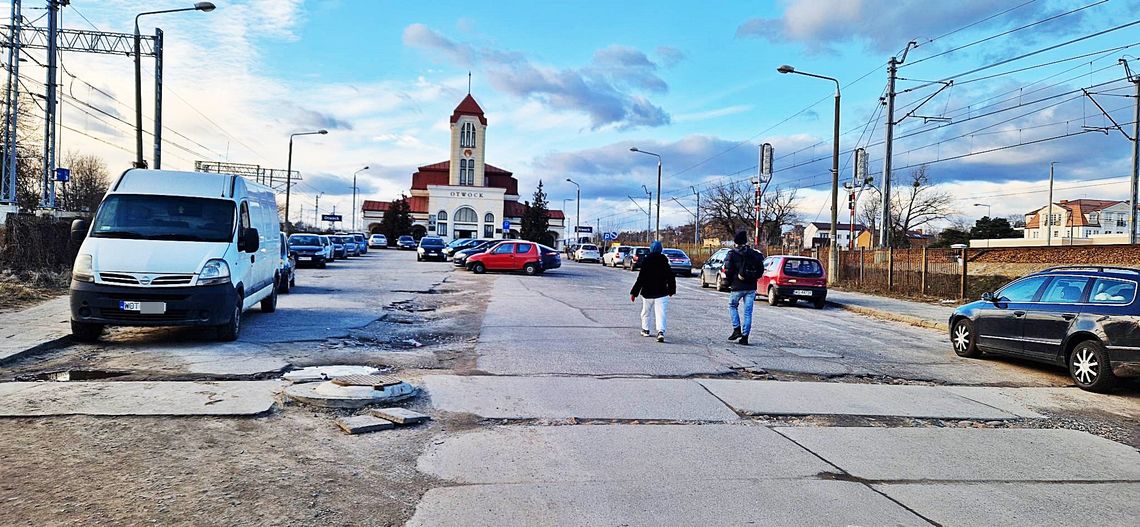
{"points": [[215, 272], [82, 271]]}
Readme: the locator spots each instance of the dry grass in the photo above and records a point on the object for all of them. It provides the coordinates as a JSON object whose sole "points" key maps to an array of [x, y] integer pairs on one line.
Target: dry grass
{"points": [[21, 289]]}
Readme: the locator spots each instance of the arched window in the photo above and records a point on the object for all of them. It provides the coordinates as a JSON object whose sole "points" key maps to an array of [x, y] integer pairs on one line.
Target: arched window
{"points": [[489, 225], [467, 136], [466, 215], [441, 223]]}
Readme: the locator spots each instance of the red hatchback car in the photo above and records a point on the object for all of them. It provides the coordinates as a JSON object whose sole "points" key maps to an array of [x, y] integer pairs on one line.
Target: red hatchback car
{"points": [[528, 257], [793, 278]]}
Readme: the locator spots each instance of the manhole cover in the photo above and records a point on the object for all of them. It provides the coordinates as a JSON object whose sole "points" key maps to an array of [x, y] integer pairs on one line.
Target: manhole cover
{"points": [[375, 381]]}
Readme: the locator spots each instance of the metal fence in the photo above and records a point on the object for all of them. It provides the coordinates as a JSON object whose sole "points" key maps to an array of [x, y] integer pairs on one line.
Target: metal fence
{"points": [[912, 271]]}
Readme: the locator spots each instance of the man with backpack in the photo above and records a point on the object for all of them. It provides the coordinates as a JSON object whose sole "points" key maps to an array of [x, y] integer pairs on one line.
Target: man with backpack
{"points": [[743, 269]]}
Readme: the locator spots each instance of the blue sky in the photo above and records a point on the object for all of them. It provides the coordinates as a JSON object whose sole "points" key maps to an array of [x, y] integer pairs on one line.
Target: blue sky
{"points": [[568, 87]]}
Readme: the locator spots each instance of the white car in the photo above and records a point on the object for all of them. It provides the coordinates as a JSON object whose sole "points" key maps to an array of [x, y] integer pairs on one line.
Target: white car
{"points": [[588, 252], [378, 241]]}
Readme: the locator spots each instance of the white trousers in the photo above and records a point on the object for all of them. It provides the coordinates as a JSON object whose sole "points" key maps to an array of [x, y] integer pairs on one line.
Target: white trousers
{"points": [[657, 306]]}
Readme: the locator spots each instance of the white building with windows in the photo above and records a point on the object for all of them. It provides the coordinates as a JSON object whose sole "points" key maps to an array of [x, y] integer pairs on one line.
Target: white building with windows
{"points": [[465, 197], [1077, 219], [818, 234]]}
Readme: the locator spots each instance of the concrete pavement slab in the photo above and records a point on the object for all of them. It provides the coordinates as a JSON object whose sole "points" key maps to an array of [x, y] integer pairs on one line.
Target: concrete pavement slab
{"points": [[22, 331], [233, 398], [582, 397], [970, 454], [617, 362], [516, 454], [664, 502], [1027, 401], [1021, 504], [825, 398]]}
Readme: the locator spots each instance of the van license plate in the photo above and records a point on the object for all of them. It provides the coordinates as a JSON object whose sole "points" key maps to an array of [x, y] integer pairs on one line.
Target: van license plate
{"points": [[801, 292], [145, 308]]}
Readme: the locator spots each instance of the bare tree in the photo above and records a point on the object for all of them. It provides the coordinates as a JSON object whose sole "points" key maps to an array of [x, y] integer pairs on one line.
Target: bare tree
{"points": [[729, 208], [780, 210], [89, 182], [914, 206]]}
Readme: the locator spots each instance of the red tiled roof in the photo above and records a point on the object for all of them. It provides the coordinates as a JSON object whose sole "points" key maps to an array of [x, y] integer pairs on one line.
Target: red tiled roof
{"points": [[468, 106], [1088, 205], [373, 206], [418, 203], [557, 215], [513, 209], [439, 174], [1034, 222]]}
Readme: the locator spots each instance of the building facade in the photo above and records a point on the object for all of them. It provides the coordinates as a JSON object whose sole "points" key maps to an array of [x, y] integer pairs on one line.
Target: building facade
{"points": [[465, 197], [1066, 220], [818, 234]]}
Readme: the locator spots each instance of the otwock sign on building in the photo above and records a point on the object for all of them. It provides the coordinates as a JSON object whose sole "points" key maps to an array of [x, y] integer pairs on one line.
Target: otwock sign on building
{"points": [[465, 197]]}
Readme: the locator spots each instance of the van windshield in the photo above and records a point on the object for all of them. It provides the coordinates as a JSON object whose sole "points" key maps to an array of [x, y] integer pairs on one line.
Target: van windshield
{"points": [[180, 218]]}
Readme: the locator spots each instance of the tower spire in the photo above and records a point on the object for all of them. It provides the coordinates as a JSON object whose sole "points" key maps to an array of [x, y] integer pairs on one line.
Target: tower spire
{"points": [[468, 82]]}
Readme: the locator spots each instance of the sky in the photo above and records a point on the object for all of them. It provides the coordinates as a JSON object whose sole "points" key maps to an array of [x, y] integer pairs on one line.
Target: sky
{"points": [[569, 87]]}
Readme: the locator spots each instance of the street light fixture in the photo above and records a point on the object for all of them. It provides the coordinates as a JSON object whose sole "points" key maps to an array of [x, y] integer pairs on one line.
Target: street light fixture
{"points": [[578, 204], [657, 227], [289, 170], [832, 253], [205, 7], [987, 209], [354, 197]]}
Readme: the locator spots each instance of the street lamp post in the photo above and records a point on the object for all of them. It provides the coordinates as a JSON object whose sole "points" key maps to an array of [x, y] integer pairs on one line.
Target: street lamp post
{"points": [[657, 226], [832, 253], [578, 204], [354, 197], [289, 170], [205, 7]]}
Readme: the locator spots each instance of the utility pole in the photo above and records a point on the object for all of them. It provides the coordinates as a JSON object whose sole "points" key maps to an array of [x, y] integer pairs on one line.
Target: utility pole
{"points": [[8, 182], [1132, 199], [892, 73], [648, 213], [47, 199], [697, 218], [316, 210], [1049, 210]]}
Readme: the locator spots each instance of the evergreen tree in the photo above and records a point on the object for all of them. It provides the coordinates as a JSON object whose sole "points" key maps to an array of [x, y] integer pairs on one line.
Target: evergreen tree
{"points": [[536, 219], [397, 220], [992, 228]]}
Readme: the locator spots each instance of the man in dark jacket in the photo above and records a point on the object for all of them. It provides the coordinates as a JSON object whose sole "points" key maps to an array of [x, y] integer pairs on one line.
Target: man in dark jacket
{"points": [[655, 283], [742, 268]]}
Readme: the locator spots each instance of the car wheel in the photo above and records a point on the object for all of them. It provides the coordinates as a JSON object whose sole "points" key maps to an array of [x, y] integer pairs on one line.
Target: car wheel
{"points": [[86, 332], [819, 303], [229, 331], [773, 299], [479, 268], [1090, 369], [292, 281], [269, 303], [704, 284], [285, 287], [530, 269], [963, 338], [323, 264]]}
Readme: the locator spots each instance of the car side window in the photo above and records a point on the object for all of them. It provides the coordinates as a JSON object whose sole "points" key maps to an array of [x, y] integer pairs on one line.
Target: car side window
{"points": [[505, 248], [1065, 290], [522, 248], [1107, 291], [1024, 290]]}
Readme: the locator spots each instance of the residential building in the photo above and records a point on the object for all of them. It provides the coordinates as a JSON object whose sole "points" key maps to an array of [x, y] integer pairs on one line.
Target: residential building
{"points": [[465, 197], [1077, 219], [818, 234]]}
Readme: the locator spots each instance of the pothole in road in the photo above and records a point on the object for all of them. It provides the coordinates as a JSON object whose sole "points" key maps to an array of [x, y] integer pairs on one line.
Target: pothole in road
{"points": [[427, 291], [72, 375]]}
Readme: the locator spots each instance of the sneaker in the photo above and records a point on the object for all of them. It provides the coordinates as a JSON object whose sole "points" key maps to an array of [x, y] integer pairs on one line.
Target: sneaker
{"points": [[645, 332], [735, 334], [660, 336], [743, 340]]}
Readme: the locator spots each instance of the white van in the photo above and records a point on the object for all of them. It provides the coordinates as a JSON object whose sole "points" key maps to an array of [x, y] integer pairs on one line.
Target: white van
{"points": [[176, 249]]}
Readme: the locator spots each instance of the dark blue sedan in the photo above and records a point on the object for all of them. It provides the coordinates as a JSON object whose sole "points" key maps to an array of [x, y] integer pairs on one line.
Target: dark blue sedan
{"points": [[1085, 318]]}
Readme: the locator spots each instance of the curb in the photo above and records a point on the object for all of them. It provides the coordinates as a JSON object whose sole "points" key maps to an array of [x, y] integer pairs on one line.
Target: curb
{"points": [[894, 317]]}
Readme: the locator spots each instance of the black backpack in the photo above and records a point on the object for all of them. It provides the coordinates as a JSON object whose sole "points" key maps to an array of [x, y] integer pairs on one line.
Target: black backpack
{"points": [[750, 267]]}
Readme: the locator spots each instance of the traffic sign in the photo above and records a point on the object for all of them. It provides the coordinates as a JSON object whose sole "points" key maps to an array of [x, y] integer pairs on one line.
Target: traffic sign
{"points": [[331, 217], [63, 175], [584, 228], [609, 236], [506, 225]]}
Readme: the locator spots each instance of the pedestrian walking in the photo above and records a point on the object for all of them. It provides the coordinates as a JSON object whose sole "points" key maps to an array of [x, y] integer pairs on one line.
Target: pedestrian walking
{"points": [[655, 284], [743, 268]]}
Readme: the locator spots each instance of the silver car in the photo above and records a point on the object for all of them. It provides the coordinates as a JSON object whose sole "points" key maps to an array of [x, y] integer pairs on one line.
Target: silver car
{"points": [[679, 262], [588, 252]]}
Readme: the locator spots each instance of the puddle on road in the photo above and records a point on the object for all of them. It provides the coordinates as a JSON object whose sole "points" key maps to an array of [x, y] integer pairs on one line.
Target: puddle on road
{"points": [[72, 375]]}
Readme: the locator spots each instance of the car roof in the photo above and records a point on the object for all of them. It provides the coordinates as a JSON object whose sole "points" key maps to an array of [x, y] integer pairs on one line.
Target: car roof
{"points": [[1100, 270]]}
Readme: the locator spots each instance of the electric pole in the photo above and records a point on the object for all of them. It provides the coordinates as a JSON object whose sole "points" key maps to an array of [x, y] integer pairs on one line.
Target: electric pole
{"points": [[1049, 210], [697, 218], [892, 73], [1132, 198], [316, 210]]}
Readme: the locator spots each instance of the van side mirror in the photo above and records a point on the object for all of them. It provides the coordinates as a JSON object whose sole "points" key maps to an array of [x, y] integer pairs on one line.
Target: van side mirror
{"points": [[79, 229], [249, 241], [988, 297]]}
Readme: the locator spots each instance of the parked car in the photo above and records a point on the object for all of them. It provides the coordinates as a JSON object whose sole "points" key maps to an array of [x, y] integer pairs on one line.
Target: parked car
{"points": [[406, 243], [712, 273], [361, 242], [679, 262], [311, 248], [570, 250], [458, 244], [792, 278], [350, 245], [287, 271], [159, 253], [529, 257], [431, 248], [635, 257], [339, 249], [1082, 317], [587, 252], [460, 256], [616, 255], [378, 241]]}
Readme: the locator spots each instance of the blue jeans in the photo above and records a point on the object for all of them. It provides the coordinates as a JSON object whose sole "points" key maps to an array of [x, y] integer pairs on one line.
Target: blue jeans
{"points": [[734, 299]]}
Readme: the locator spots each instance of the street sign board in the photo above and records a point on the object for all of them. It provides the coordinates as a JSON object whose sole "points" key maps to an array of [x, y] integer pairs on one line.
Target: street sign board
{"points": [[766, 153], [506, 225], [584, 228], [331, 217], [63, 175], [609, 236]]}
